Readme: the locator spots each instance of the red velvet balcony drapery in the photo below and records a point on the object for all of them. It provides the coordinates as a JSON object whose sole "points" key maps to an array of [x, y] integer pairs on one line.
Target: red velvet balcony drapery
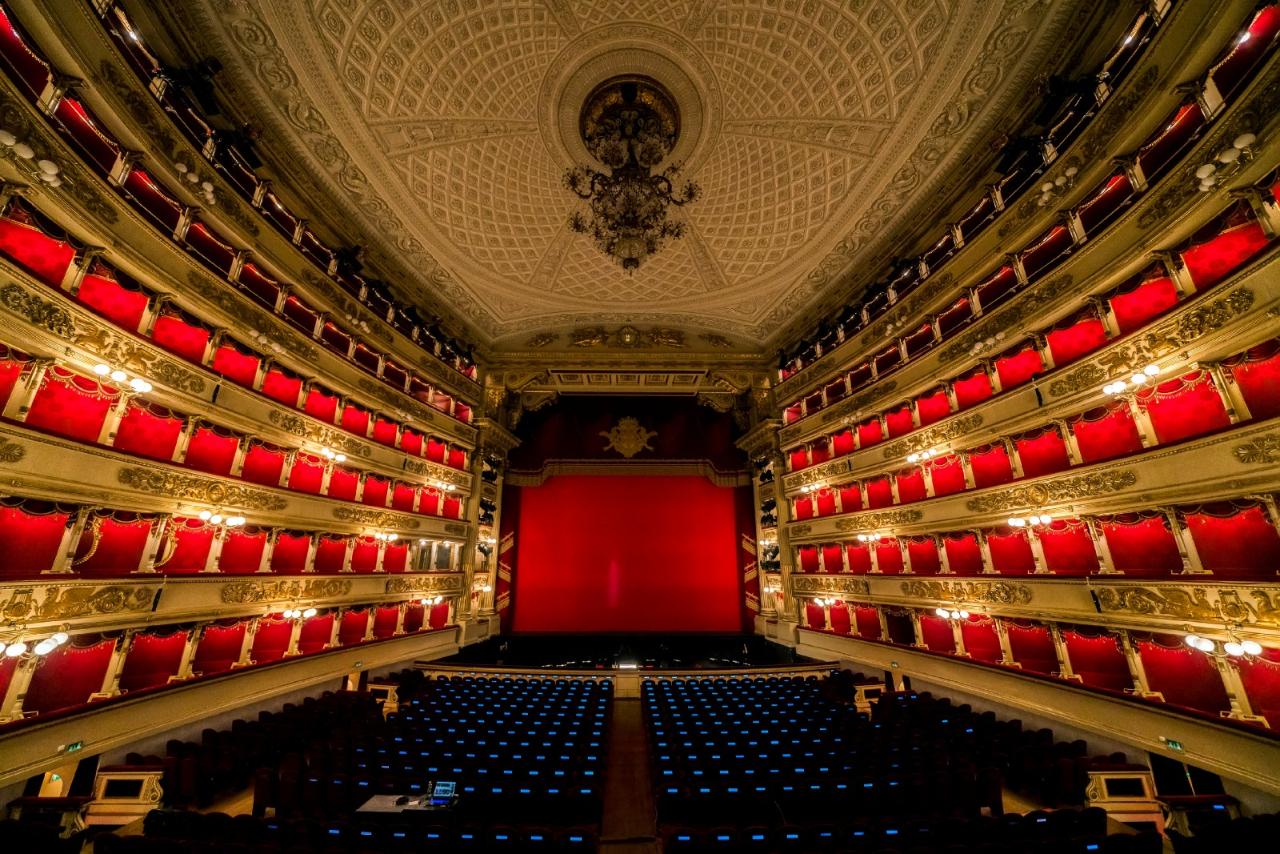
{"points": [[272, 640], [1098, 660], [964, 554], [185, 547], [1032, 647], [859, 556], [1106, 432], [289, 557], [1011, 551], [980, 639], [1184, 407], [219, 648], [1257, 373], [71, 405], [1261, 678], [152, 659], [936, 634], [104, 293], [1068, 547], [1142, 544], [113, 544], [1184, 676], [315, 633], [1235, 539], [414, 616], [68, 675], [30, 534], [867, 620]]}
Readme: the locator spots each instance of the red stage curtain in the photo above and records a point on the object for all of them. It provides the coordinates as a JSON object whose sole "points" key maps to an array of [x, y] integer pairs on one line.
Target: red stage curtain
{"points": [[910, 485], [147, 430], [831, 557], [1257, 374], [1042, 452], [343, 483], [289, 557], [582, 566], [1018, 365], [1141, 544], [1261, 678], [1076, 338], [413, 617], [808, 558], [1235, 540], [306, 473], [321, 405], [384, 432], [428, 502], [980, 639], [1068, 547], [990, 465], [964, 555], [364, 555], [439, 616], [411, 442], [395, 557], [68, 404], [1010, 551], [45, 257], [211, 450], [402, 497], [151, 660], [384, 621], [947, 474], [933, 407], [435, 450], [826, 502], [236, 365], [1150, 299], [842, 443], [452, 508], [280, 385], [272, 639], [859, 558], [219, 648], [354, 624], [867, 619], [242, 551], [330, 554], [175, 333], [355, 420], [30, 533], [185, 548], [68, 675], [879, 493], [802, 507], [1215, 259], [1106, 432], [106, 296], [819, 451], [889, 556], [924, 555], [263, 463], [375, 491], [315, 633], [936, 634], [850, 498], [899, 421], [869, 433], [111, 546], [1098, 661], [1183, 407], [972, 388], [1032, 647], [1185, 676]]}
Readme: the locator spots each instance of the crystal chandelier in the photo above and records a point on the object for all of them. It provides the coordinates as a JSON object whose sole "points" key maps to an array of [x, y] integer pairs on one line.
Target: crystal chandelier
{"points": [[630, 125]]}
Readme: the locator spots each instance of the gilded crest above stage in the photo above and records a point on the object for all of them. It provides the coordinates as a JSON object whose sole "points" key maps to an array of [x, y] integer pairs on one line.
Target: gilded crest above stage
{"points": [[628, 438]]}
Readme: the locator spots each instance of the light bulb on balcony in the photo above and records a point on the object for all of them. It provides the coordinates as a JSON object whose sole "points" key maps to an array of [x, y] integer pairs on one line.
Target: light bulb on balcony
{"points": [[941, 612], [216, 519], [62, 637], [139, 385], [15, 649], [1138, 379], [393, 537], [1232, 648], [1151, 370], [1207, 645], [309, 613], [1045, 518], [1251, 647], [1229, 155], [339, 458], [45, 647], [1244, 140], [119, 376], [911, 458], [101, 370], [1244, 37], [205, 515]]}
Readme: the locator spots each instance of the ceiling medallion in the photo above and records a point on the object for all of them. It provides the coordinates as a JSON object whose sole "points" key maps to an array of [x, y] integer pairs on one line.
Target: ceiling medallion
{"points": [[630, 125]]}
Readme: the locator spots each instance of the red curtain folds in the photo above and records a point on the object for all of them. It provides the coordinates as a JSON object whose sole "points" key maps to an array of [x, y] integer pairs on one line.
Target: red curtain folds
{"points": [[242, 550], [842, 443], [826, 502], [808, 558], [30, 534], [1105, 433], [1185, 676], [68, 675], [819, 451], [1010, 551], [1257, 374], [1183, 407], [831, 557], [355, 420], [147, 430], [1068, 547], [70, 405], [980, 639], [44, 256], [1042, 452], [152, 659], [869, 433], [112, 544], [936, 634], [1098, 661], [802, 507], [1141, 544], [185, 548], [236, 365], [899, 421], [428, 501], [384, 432], [990, 465], [452, 508], [435, 450], [321, 405], [395, 557], [1235, 540], [814, 618], [1032, 647], [211, 450], [402, 498], [964, 555], [375, 491], [219, 648], [343, 483], [280, 385], [1215, 259], [840, 619], [364, 555], [411, 442], [439, 616]]}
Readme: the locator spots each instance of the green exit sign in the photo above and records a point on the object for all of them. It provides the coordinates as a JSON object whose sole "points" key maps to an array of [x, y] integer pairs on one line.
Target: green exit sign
{"points": [[74, 746], [1173, 744]]}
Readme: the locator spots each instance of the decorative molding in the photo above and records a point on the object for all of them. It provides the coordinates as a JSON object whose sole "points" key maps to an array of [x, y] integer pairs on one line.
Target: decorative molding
{"points": [[800, 530], [853, 405], [1012, 318], [849, 585], [1149, 347], [204, 490], [441, 583], [934, 436], [438, 472], [627, 337], [628, 438], [375, 518], [11, 451], [1264, 450], [250, 592], [818, 473], [1053, 491], [986, 592], [875, 521], [1217, 604], [44, 603], [305, 428], [248, 316]]}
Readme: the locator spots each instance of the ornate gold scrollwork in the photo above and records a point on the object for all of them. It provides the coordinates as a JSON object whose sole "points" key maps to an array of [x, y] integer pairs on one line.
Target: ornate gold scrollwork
{"points": [[1263, 450], [873, 521], [933, 436], [49, 603], [249, 592], [425, 583], [305, 429], [11, 451], [1061, 489], [986, 592], [628, 438], [1197, 604], [375, 518], [204, 490], [839, 584]]}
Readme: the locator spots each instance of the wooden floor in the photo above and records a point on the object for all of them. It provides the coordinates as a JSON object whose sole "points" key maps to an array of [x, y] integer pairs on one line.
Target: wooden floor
{"points": [[630, 816]]}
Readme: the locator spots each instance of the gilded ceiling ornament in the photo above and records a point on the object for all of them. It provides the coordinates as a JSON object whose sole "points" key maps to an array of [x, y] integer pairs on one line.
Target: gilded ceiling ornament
{"points": [[1073, 488], [628, 438], [715, 340], [542, 339]]}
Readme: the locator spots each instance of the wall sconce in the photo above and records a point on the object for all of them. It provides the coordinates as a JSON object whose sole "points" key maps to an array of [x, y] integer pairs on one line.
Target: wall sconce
{"points": [[923, 455], [1228, 161], [1135, 381], [137, 384], [330, 454], [428, 601], [952, 613], [18, 647], [216, 517], [1234, 648], [386, 538], [1029, 521], [295, 613]]}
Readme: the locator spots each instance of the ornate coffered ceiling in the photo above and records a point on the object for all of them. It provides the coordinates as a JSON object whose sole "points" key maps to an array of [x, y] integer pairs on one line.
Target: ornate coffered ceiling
{"points": [[439, 131]]}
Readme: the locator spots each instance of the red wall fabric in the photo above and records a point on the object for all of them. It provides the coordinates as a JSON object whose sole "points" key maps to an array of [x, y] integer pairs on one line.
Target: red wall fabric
{"points": [[867, 620], [1184, 407], [384, 622], [306, 474], [879, 493], [936, 633], [842, 443], [859, 558], [70, 405], [947, 474], [354, 624], [210, 451], [991, 466], [1257, 374], [152, 660], [186, 547], [980, 639], [315, 633], [263, 464], [910, 485], [826, 502], [933, 407], [1016, 368], [67, 676], [964, 555], [1011, 552], [439, 616], [889, 556], [46, 258], [869, 433], [321, 405], [1105, 433], [972, 389], [1261, 679], [831, 557], [1070, 343], [1042, 453], [413, 616], [899, 422], [29, 539], [1212, 261], [1098, 661], [1148, 300], [850, 498], [627, 553], [174, 334], [219, 648], [1068, 548], [1236, 542], [364, 555], [924, 555], [237, 366], [289, 557], [115, 548], [242, 551], [1032, 647], [330, 552], [113, 300], [1142, 546], [272, 639], [1185, 676], [146, 431]]}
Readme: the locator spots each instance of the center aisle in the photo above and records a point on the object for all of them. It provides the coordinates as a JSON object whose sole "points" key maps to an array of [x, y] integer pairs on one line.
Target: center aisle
{"points": [[630, 816]]}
